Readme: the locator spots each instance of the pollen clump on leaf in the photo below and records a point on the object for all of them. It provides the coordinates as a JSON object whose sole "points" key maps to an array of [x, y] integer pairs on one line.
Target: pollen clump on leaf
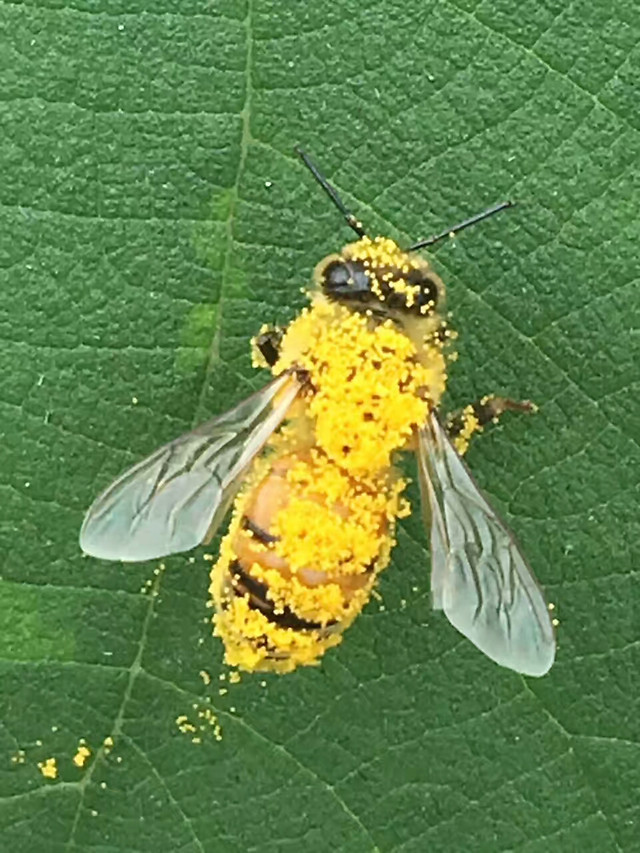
{"points": [[82, 754], [207, 724], [48, 768]]}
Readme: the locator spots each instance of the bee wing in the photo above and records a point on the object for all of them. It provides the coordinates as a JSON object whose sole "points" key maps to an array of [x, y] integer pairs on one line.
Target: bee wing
{"points": [[177, 497], [479, 577]]}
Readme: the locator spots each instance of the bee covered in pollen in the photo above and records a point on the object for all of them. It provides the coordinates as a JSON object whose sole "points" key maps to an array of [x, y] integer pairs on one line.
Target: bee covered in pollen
{"points": [[309, 465]]}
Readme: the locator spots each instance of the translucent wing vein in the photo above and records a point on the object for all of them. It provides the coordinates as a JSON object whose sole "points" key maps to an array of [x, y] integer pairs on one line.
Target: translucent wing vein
{"points": [[177, 497], [479, 577]]}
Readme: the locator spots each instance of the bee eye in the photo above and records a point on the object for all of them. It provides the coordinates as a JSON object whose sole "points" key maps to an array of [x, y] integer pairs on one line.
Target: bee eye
{"points": [[336, 276], [345, 278]]}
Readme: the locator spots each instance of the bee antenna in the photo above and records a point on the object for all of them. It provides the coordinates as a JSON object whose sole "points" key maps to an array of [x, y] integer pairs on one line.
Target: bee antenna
{"points": [[352, 222], [449, 232]]}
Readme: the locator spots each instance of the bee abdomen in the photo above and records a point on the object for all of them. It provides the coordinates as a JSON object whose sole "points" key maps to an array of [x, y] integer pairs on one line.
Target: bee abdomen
{"points": [[295, 569], [257, 593]]}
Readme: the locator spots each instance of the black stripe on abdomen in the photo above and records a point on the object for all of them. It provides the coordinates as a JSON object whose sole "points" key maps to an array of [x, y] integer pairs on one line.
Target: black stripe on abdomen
{"points": [[245, 584], [257, 531]]}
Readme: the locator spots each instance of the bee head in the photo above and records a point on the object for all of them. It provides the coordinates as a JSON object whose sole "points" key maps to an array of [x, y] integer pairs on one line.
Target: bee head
{"points": [[378, 274]]}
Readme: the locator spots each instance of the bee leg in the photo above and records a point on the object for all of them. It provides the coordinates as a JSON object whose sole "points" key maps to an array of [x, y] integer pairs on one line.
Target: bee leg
{"points": [[267, 344], [461, 425]]}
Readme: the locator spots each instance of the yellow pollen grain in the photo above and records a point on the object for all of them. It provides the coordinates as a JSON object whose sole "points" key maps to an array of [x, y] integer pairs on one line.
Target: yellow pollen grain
{"points": [[184, 725], [82, 754], [470, 425], [48, 768]]}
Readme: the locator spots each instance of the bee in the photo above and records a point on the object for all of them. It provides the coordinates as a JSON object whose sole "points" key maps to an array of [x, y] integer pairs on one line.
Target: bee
{"points": [[309, 464]]}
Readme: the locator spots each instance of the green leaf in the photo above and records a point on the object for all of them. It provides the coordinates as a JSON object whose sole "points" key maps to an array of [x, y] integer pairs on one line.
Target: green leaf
{"points": [[152, 217]]}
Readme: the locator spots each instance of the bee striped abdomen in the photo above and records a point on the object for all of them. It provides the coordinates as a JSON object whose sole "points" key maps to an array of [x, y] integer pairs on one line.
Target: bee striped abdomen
{"points": [[258, 597], [291, 576]]}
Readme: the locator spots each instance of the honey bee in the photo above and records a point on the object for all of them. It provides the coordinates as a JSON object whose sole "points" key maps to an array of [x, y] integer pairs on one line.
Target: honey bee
{"points": [[310, 465]]}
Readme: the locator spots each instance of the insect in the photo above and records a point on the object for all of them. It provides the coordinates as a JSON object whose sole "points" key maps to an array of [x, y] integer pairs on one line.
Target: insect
{"points": [[309, 465]]}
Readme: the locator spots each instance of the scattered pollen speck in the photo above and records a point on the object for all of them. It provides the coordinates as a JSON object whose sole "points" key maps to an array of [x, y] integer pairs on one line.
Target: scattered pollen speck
{"points": [[107, 743], [204, 675], [18, 757], [234, 677], [222, 691], [48, 768], [184, 725], [83, 752], [207, 724], [134, 400], [103, 785]]}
